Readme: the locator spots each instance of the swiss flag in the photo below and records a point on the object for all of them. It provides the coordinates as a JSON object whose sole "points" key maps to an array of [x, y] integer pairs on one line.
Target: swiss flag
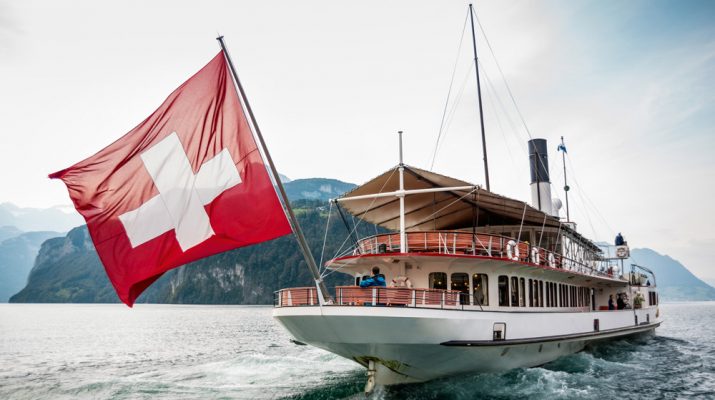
{"points": [[188, 182]]}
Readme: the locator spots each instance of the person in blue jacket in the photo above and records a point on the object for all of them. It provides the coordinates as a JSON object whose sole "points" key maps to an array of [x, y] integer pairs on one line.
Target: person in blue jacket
{"points": [[377, 279], [619, 240]]}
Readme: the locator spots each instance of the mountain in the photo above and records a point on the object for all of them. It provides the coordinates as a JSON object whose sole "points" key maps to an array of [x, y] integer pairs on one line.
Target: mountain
{"points": [[9, 231], [67, 269], [17, 255], [322, 189], [58, 218], [675, 282]]}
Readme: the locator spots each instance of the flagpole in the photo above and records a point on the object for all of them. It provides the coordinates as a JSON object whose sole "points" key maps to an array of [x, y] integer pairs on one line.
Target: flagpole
{"points": [[566, 185], [302, 243]]}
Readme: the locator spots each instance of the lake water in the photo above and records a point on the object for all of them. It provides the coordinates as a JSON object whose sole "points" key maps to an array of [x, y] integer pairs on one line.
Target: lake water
{"points": [[59, 351]]}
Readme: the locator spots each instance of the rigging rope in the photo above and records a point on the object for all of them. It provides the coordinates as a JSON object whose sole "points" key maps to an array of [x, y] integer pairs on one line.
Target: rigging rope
{"points": [[360, 219], [452, 111], [523, 215], [511, 95], [449, 91], [325, 237]]}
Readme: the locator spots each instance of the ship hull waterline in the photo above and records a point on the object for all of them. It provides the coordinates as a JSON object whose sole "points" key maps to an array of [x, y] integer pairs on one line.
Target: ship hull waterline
{"points": [[417, 345]]}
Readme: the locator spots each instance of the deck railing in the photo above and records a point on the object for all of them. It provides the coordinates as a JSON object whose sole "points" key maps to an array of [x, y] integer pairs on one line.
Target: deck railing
{"points": [[485, 245], [372, 296]]}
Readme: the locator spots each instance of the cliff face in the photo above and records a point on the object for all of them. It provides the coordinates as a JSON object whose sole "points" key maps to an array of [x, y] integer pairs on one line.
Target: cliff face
{"points": [[67, 269]]}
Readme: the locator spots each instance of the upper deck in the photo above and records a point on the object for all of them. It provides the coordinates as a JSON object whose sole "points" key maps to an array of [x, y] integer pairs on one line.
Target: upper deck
{"points": [[460, 244]]}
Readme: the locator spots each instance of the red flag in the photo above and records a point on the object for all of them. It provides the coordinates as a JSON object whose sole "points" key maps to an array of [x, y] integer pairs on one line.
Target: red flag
{"points": [[188, 182]]}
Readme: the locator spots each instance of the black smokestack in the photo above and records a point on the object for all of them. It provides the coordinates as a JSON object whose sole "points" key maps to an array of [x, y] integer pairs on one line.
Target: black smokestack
{"points": [[538, 161]]}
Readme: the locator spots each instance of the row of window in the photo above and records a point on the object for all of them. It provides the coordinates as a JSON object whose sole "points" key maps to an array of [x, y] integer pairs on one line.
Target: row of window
{"points": [[460, 282], [513, 291]]}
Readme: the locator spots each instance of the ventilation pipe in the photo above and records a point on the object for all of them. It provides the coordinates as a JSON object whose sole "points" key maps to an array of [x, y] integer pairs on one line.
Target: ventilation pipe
{"points": [[540, 183]]}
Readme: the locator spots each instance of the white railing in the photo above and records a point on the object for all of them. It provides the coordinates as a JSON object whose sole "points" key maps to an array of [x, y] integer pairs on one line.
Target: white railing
{"points": [[372, 296], [483, 245]]}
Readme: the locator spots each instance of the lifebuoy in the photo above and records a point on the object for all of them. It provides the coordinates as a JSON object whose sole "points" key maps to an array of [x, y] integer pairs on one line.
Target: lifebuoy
{"points": [[535, 255], [552, 260], [512, 250]]}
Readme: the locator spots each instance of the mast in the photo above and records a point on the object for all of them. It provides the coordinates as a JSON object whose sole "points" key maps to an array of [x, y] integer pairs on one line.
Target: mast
{"points": [[302, 243], [401, 195], [566, 186], [479, 96]]}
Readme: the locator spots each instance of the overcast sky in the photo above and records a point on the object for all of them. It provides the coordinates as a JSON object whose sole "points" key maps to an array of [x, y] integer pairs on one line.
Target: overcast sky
{"points": [[630, 85]]}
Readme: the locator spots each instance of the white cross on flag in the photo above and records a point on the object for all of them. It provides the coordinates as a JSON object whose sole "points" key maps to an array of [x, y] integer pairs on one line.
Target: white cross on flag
{"points": [[188, 182]]}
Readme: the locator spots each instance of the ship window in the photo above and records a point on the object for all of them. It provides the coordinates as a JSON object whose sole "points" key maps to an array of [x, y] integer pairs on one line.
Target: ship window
{"points": [[548, 295], [583, 297], [480, 283], [532, 292], [514, 291], [574, 297], [438, 280], [567, 291], [566, 300], [541, 293], [522, 292], [503, 290], [555, 293], [460, 282]]}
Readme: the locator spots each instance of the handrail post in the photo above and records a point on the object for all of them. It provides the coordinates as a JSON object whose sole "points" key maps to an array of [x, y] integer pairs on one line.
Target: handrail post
{"points": [[374, 296], [414, 298]]}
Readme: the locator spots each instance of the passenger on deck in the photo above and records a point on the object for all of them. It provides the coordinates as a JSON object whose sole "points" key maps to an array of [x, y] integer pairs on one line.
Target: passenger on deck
{"points": [[638, 300], [620, 304], [619, 239], [611, 306], [377, 279]]}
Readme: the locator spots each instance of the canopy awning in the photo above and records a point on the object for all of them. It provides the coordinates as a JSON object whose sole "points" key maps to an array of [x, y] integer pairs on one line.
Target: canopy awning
{"points": [[454, 209]]}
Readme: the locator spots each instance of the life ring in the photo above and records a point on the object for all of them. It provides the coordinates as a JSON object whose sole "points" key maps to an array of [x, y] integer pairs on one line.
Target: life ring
{"points": [[535, 255], [552, 260], [512, 250]]}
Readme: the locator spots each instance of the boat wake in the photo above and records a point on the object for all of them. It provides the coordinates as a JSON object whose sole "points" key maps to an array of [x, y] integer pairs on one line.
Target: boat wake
{"points": [[644, 366]]}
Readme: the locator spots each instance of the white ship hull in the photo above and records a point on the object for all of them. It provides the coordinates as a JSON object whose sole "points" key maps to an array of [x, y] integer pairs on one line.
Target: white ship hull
{"points": [[414, 345]]}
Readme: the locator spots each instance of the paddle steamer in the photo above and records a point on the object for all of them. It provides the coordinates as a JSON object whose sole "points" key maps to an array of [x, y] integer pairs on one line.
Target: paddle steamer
{"points": [[477, 282]]}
